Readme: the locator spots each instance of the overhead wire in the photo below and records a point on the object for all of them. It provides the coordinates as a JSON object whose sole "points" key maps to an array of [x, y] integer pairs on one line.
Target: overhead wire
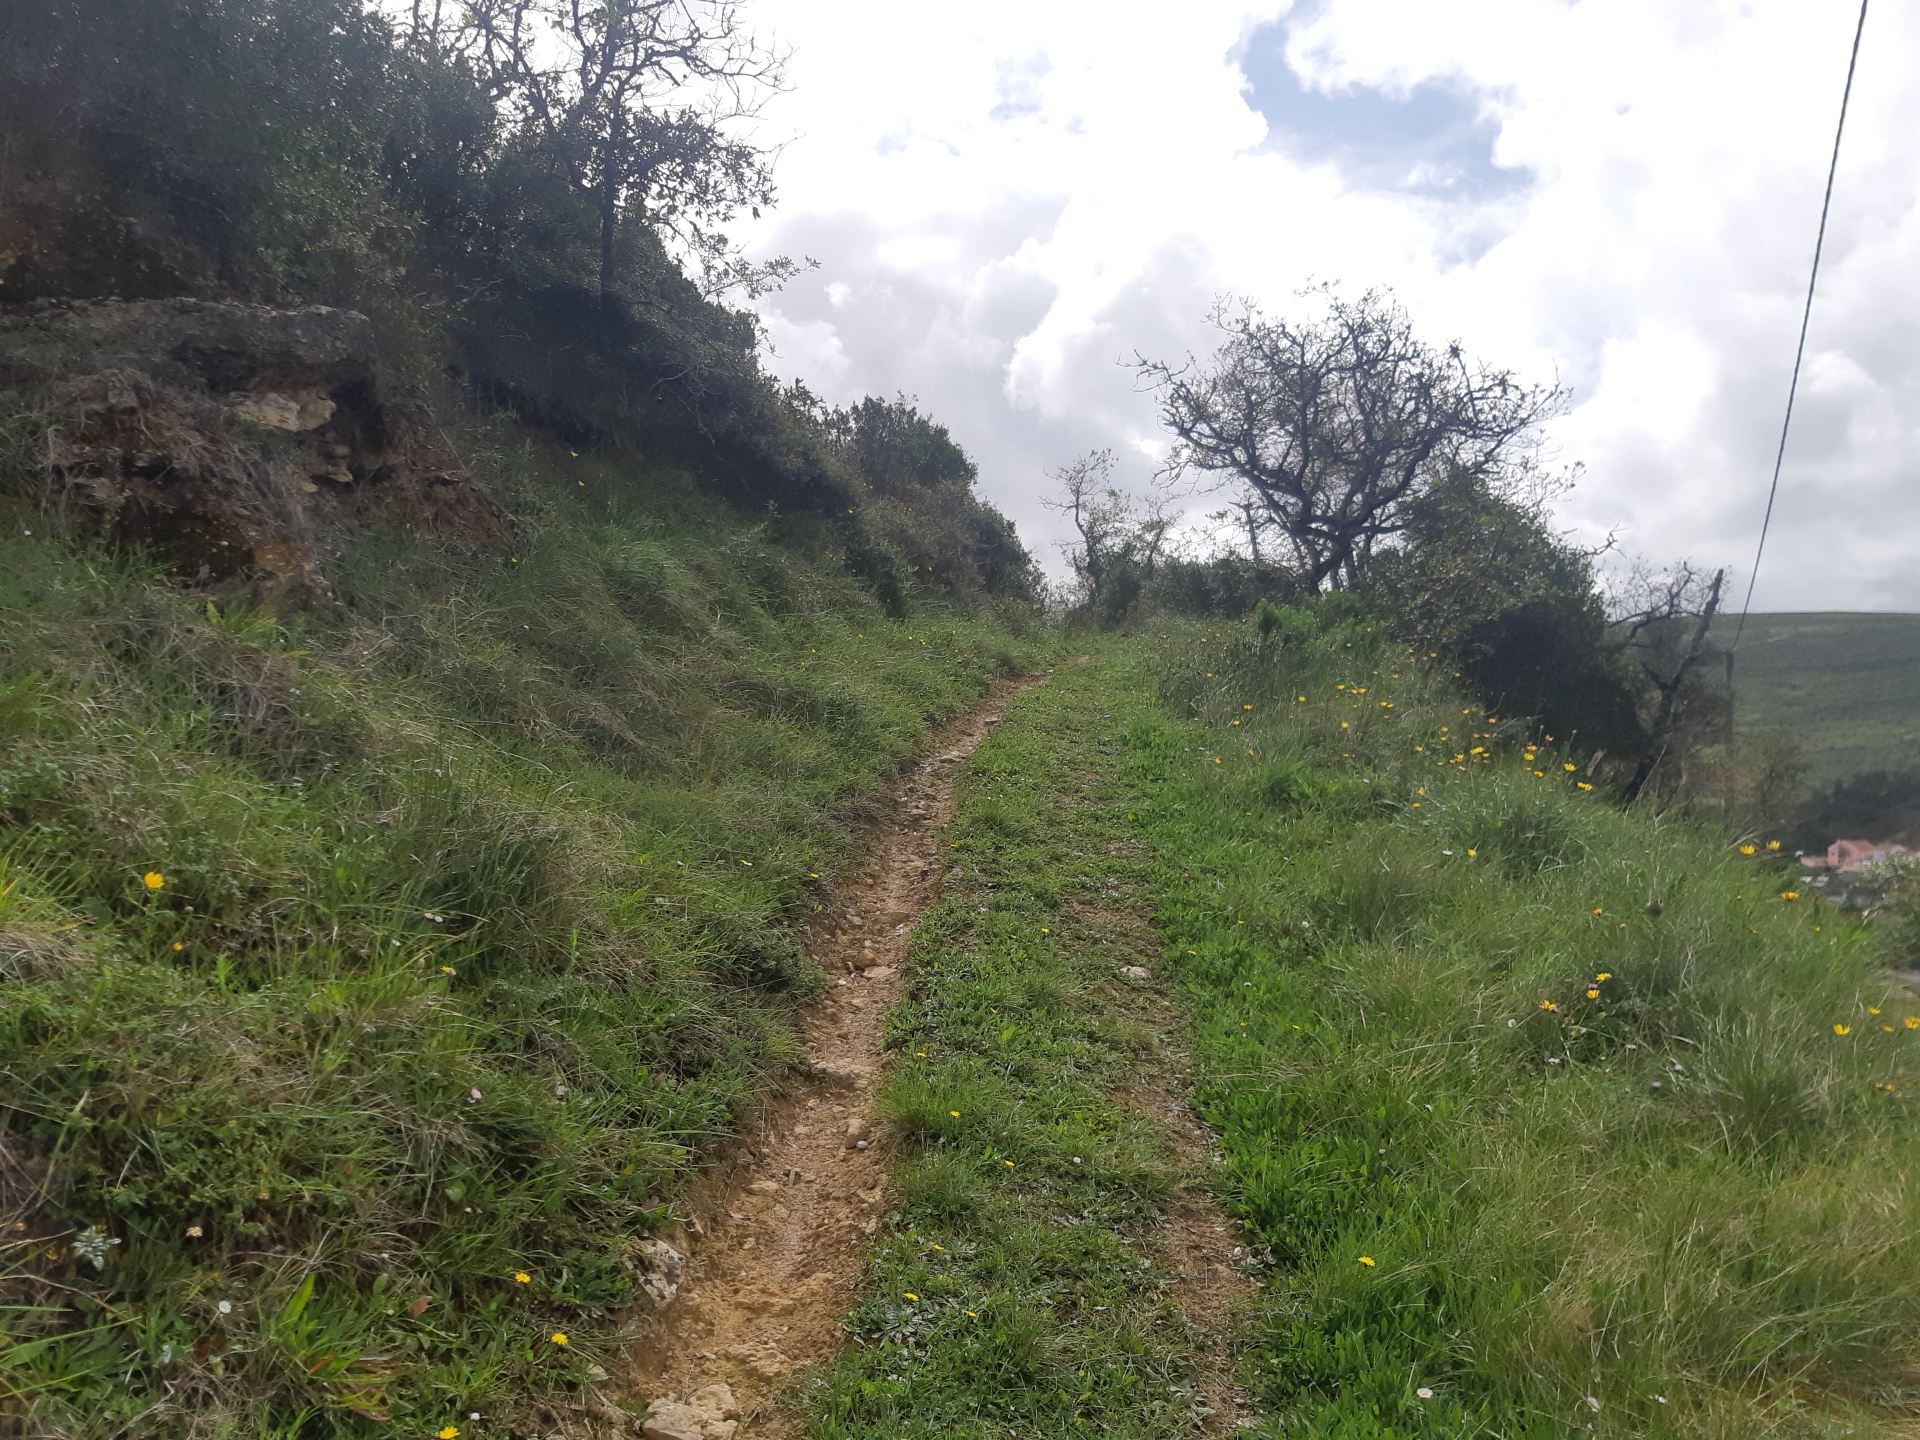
{"points": [[1806, 315]]}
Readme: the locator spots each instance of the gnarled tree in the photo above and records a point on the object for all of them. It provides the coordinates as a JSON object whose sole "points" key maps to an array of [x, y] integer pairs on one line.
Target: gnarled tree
{"points": [[1662, 619], [1120, 538], [634, 101], [1337, 428]]}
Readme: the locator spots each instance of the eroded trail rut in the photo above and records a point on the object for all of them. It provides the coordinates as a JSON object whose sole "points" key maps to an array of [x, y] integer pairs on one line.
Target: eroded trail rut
{"points": [[775, 1244]]}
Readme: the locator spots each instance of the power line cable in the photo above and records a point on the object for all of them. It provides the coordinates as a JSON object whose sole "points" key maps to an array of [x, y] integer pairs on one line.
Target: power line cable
{"points": [[1805, 316]]}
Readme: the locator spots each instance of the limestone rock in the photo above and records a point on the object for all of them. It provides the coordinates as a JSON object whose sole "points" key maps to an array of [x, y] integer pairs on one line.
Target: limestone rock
{"points": [[666, 1420], [841, 1074], [762, 1358], [661, 1269], [308, 410], [162, 448]]}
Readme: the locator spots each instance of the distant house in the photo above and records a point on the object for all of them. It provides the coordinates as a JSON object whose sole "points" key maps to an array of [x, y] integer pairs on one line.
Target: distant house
{"points": [[1852, 854]]}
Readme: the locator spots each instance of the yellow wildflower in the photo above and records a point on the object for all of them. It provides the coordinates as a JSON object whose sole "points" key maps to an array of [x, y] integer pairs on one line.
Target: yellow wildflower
{"points": [[1773, 844], [1746, 849], [559, 1337], [153, 879], [522, 1278], [1912, 1022], [449, 1432], [1570, 768], [1592, 994], [1843, 1029], [1367, 1260], [909, 1294], [1548, 1005], [1789, 894], [1582, 785]]}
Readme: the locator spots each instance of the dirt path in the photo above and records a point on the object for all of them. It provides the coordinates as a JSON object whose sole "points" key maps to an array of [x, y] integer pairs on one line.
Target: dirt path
{"points": [[775, 1244], [1203, 1250]]}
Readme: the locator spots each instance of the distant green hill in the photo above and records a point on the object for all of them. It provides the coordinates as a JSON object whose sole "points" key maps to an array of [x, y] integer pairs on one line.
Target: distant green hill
{"points": [[1846, 684]]}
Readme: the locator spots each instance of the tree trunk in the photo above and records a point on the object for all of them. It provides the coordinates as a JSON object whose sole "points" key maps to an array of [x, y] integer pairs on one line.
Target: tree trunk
{"points": [[610, 201], [1664, 718]]}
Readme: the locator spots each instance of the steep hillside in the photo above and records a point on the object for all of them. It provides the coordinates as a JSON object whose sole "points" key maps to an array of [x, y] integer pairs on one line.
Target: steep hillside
{"points": [[1845, 685], [375, 971]]}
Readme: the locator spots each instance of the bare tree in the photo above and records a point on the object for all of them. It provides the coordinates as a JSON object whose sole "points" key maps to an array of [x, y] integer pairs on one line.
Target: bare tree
{"points": [[1121, 539], [635, 100], [1338, 426], [1661, 620]]}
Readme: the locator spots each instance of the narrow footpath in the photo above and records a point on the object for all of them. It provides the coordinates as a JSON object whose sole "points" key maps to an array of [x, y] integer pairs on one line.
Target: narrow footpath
{"points": [[775, 1237]]}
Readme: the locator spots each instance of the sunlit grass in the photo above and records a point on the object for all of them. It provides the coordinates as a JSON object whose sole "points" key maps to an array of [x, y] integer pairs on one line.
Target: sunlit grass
{"points": [[1624, 1131]]}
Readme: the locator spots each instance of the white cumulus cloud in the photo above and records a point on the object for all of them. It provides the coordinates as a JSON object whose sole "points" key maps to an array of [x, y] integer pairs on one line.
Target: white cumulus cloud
{"points": [[1010, 200]]}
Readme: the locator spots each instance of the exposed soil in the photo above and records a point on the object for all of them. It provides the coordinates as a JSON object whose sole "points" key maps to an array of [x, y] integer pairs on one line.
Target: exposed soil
{"points": [[775, 1242], [1196, 1242]]}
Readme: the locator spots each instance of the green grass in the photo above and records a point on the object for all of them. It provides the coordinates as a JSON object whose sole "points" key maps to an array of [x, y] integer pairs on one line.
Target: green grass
{"points": [[1670, 1201], [1845, 685], [472, 935], [1016, 1289], [467, 939]]}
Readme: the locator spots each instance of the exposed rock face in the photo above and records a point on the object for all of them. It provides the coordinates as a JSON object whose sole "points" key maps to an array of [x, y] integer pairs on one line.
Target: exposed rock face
{"points": [[233, 441], [708, 1414]]}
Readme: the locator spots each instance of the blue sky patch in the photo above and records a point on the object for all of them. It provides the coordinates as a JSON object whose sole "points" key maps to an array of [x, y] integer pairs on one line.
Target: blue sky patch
{"points": [[1436, 141]]}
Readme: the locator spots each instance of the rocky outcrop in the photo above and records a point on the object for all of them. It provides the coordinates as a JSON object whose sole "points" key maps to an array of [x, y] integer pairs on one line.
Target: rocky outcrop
{"points": [[234, 442]]}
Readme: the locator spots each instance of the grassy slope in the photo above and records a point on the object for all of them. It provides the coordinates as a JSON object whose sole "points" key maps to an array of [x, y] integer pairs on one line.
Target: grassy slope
{"points": [[1015, 1291], [1846, 685], [1509, 1136], [466, 935]]}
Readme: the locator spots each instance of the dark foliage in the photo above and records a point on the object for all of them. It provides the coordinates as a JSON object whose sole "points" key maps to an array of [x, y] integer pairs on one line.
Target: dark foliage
{"points": [[307, 152], [919, 502]]}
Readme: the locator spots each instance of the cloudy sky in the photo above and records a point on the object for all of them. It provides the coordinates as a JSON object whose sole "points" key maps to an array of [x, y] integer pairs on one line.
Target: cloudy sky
{"points": [[1010, 199]]}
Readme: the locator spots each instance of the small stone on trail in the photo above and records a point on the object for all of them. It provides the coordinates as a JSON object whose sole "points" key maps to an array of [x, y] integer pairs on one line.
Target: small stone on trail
{"points": [[661, 1267], [1135, 972], [764, 1187], [840, 1073], [879, 972], [669, 1420]]}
